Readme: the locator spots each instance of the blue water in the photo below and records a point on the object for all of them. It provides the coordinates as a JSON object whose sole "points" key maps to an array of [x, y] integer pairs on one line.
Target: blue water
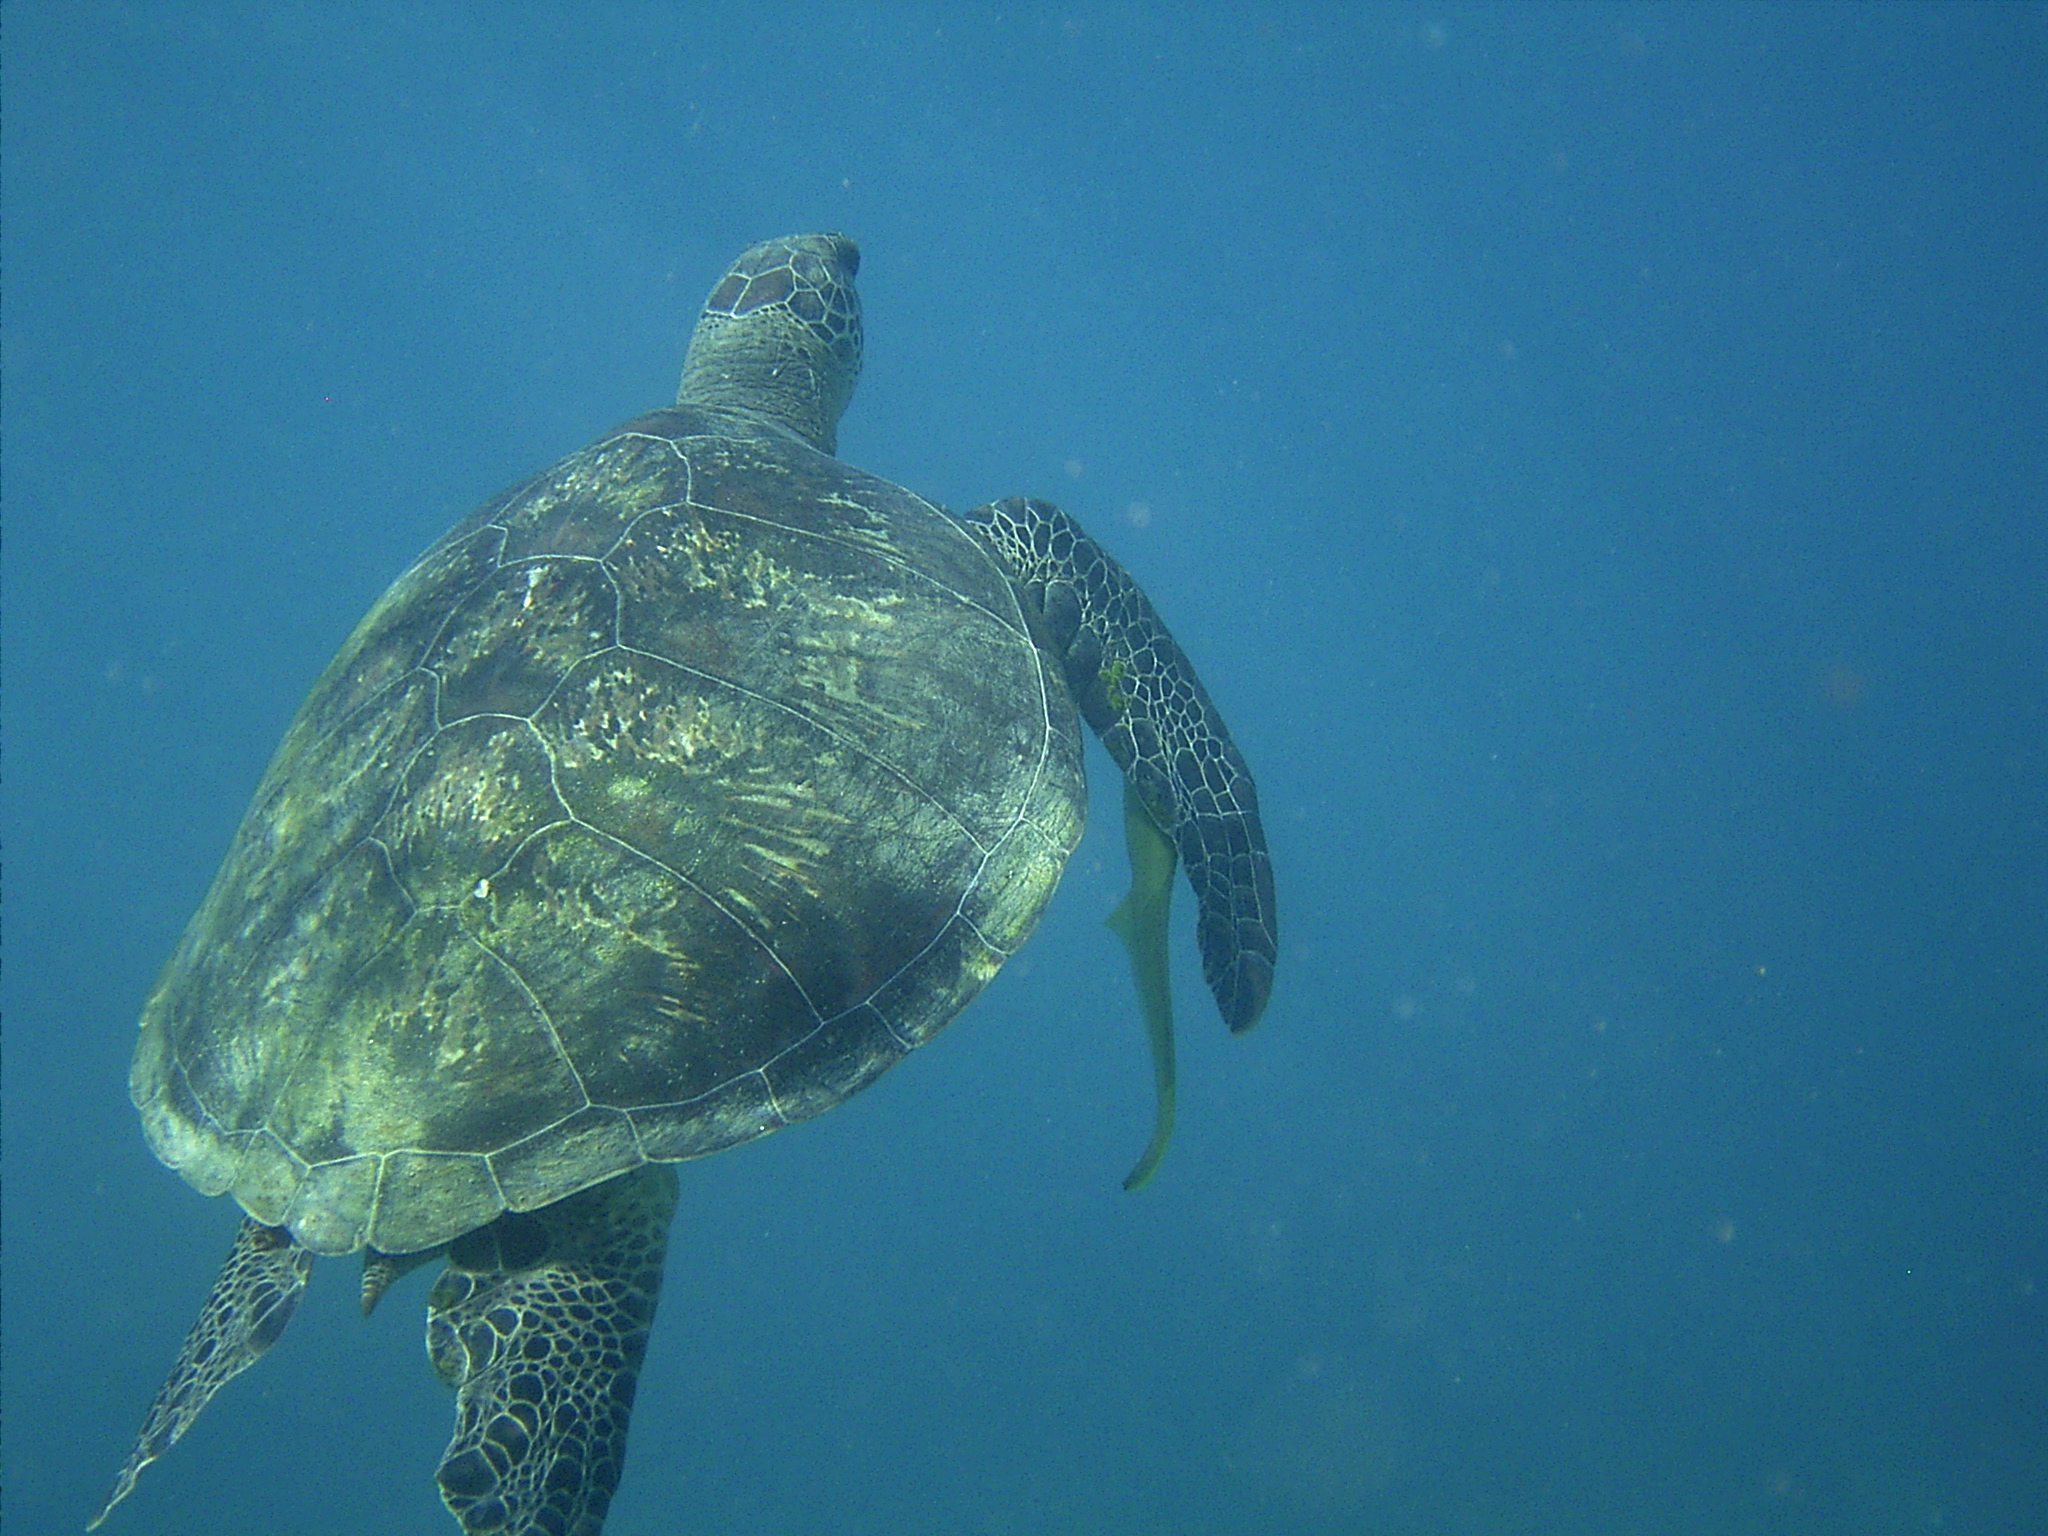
{"points": [[1598, 457]]}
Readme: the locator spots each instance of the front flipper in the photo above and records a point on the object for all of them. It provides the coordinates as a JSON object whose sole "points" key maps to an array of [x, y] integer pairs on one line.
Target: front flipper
{"points": [[1139, 692], [254, 1297], [540, 1324]]}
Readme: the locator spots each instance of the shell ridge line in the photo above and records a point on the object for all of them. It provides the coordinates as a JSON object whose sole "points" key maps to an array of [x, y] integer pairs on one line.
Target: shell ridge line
{"points": [[696, 1098], [639, 1147], [774, 1103], [239, 1143], [823, 1023], [720, 907], [497, 562], [826, 728], [567, 819], [674, 446], [611, 550], [413, 909], [1046, 734], [384, 809], [894, 561], [374, 699], [370, 840], [295, 1206], [888, 1025], [440, 633], [958, 915], [611, 643], [383, 851], [1018, 824], [1016, 620], [384, 1172], [419, 666], [540, 1010], [553, 789]]}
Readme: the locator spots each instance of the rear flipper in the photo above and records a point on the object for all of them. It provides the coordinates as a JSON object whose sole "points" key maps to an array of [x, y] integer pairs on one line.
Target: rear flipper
{"points": [[257, 1292], [540, 1324], [1140, 694]]}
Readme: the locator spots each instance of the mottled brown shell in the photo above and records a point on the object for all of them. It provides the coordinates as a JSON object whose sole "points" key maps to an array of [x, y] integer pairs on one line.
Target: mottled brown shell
{"points": [[667, 800]]}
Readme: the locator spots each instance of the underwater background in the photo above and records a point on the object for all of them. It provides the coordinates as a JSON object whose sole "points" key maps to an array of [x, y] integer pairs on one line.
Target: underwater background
{"points": [[1597, 457]]}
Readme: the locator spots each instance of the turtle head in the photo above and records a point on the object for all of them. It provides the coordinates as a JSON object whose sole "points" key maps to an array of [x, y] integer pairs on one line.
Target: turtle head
{"points": [[780, 337]]}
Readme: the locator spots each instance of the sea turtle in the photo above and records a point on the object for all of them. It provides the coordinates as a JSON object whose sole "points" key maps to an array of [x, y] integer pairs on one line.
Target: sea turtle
{"points": [[668, 799]]}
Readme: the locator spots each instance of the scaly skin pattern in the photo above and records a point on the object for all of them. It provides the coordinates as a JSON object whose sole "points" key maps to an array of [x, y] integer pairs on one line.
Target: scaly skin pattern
{"points": [[257, 1292], [540, 1324], [800, 368], [1139, 692]]}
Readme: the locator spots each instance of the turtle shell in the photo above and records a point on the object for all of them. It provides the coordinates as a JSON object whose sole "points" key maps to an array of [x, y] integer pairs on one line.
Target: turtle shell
{"points": [[666, 800]]}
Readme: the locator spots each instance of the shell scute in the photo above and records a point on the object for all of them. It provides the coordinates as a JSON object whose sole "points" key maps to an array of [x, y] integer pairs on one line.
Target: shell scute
{"points": [[668, 799]]}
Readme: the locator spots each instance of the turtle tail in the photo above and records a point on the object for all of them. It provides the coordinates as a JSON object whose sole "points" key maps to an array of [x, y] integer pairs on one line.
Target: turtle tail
{"points": [[1139, 693]]}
